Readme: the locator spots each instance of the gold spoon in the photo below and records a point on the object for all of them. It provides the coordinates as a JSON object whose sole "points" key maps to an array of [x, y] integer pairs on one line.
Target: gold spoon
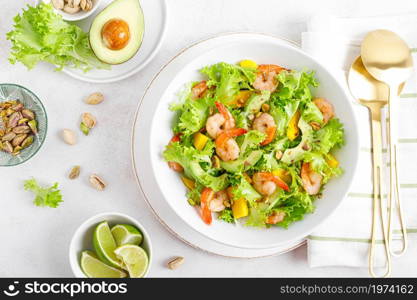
{"points": [[388, 58], [374, 95]]}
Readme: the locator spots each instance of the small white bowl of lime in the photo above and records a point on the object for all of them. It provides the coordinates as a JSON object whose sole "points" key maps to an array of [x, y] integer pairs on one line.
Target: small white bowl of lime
{"points": [[110, 245]]}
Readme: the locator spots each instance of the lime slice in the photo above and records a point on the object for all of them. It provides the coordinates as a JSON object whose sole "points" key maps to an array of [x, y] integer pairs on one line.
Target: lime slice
{"points": [[104, 244], [125, 234], [95, 268], [134, 258]]}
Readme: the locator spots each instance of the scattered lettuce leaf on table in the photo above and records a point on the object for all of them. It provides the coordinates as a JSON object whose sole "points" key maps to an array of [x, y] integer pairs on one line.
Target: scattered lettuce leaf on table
{"points": [[44, 196]]}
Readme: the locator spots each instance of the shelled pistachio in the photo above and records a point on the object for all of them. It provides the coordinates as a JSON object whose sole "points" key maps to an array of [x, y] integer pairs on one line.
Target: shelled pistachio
{"points": [[18, 127]]}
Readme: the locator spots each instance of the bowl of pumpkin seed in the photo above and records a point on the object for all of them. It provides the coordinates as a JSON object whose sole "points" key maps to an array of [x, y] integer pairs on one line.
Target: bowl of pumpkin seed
{"points": [[23, 124]]}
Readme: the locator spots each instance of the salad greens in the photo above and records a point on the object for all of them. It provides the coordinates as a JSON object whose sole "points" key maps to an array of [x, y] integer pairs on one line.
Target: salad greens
{"points": [[50, 196], [40, 34], [269, 174]]}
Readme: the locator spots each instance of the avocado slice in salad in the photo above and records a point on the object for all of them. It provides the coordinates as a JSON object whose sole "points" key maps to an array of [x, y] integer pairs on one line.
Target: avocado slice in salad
{"points": [[255, 102], [292, 155], [242, 164]]}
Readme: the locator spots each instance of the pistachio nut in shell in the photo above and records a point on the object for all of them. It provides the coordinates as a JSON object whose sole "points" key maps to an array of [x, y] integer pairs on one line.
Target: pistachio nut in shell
{"points": [[95, 98], [74, 172], [88, 119], [97, 182], [69, 136]]}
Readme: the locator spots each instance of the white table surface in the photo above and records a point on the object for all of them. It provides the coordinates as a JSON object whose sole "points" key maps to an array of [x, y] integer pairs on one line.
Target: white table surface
{"points": [[34, 241]]}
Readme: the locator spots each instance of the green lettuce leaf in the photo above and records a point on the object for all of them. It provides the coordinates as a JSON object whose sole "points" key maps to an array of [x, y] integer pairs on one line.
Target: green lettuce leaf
{"points": [[249, 153], [331, 136], [319, 164], [311, 113], [228, 79], [227, 216], [192, 160], [295, 85], [193, 115], [243, 189], [44, 196], [40, 34]]}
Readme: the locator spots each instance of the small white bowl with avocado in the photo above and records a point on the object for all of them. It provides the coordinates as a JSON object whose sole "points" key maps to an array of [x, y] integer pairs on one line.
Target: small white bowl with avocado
{"points": [[89, 250]]}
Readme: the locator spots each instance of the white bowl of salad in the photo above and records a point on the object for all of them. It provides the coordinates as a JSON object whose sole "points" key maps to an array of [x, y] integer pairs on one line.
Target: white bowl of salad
{"points": [[254, 143]]}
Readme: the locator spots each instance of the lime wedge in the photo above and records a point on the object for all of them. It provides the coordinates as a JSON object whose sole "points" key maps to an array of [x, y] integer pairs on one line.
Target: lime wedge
{"points": [[95, 268], [104, 244], [125, 234], [134, 258]]}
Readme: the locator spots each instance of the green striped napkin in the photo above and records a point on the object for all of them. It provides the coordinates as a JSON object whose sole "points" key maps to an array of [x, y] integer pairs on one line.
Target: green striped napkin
{"points": [[344, 239]]}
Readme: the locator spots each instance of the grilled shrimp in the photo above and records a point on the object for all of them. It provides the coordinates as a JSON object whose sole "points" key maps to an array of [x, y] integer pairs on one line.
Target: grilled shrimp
{"points": [[265, 77], [229, 151], [172, 164], [220, 121], [311, 180], [275, 218], [175, 166], [266, 183], [199, 89], [226, 147], [217, 203], [325, 107], [265, 123]]}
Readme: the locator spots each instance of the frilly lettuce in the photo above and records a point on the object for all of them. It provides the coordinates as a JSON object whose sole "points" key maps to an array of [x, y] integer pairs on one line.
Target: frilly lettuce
{"points": [[295, 85], [40, 34], [192, 160], [228, 79], [227, 216], [311, 113], [243, 189], [248, 144], [329, 137]]}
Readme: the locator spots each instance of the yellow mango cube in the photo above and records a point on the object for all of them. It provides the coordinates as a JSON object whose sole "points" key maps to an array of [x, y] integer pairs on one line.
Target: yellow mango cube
{"points": [[283, 174], [293, 131], [247, 63], [188, 182], [200, 140], [240, 208], [332, 161]]}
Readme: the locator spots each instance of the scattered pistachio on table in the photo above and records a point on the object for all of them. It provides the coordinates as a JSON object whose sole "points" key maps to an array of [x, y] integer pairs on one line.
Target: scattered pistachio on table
{"points": [[88, 121], [74, 172], [176, 262], [97, 182], [17, 126], [69, 136], [95, 98]]}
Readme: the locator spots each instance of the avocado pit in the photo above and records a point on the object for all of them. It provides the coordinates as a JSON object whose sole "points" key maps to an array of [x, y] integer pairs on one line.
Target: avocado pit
{"points": [[115, 34]]}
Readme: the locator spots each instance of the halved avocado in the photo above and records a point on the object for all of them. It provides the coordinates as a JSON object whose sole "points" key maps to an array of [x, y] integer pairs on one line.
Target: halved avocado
{"points": [[116, 33]]}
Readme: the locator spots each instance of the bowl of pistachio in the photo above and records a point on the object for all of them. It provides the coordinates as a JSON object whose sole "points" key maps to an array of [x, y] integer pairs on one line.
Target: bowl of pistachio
{"points": [[23, 124]]}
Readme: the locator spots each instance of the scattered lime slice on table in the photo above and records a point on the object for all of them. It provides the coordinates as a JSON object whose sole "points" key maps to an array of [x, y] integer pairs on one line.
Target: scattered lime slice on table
{"points": [[104, 244], [125, 234], [95, 268], [134, 258]]}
